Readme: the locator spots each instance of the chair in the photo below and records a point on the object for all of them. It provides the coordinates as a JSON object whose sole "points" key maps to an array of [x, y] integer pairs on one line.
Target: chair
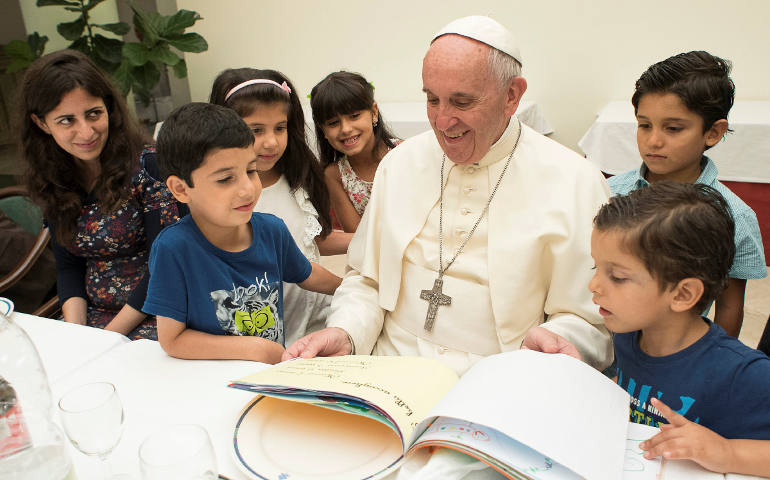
{"points": [[15, 203]]}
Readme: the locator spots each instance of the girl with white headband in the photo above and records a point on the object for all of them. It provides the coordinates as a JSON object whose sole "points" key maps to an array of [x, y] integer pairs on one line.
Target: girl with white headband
{"points": [[292, 180]]}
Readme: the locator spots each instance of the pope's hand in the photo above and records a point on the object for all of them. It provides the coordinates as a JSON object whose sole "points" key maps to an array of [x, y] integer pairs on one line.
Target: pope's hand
{"points": [[543, 340], [329, 342]]}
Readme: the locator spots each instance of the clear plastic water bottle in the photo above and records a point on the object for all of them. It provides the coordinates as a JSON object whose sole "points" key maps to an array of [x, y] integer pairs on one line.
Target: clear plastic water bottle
{"points": [[20, 366], [32, 447]]}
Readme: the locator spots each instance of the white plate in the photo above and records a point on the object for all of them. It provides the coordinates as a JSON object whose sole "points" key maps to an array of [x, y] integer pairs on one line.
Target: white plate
{"points": [[6, 306], [278, 439]]}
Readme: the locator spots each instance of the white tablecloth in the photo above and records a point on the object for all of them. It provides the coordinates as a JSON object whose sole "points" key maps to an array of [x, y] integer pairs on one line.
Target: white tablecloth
{"points": [[408, 119], [65, 347], [159, 390], [743, 156]]}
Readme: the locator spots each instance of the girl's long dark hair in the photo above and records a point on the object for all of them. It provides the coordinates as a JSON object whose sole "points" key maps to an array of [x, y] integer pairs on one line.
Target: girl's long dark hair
{"points": [[53, 177], [342, 93], [298, 163]]}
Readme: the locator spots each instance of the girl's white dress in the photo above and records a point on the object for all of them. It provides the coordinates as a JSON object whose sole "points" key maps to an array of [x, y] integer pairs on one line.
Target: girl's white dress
{"points": [[303, 311]]}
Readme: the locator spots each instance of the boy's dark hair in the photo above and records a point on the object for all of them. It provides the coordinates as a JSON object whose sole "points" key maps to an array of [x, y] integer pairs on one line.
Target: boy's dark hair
{"points": [[678, 231], [193, 131], [342, 93], [298, 164], [701, 80]]}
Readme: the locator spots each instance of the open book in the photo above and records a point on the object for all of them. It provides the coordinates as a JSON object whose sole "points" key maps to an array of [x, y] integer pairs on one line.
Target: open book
{"points": [[526, 414]]}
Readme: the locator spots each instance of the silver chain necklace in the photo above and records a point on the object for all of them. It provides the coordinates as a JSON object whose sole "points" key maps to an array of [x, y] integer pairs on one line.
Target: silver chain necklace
{"points": [[434, 296]]}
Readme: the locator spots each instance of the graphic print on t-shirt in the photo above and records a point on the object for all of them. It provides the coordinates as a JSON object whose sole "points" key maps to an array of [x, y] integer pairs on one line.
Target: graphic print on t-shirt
{"points": [[641, 409], [250, 310]]}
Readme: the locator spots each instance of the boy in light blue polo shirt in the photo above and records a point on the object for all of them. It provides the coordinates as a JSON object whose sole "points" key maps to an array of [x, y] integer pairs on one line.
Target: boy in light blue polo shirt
{"points": [[681, 106]]}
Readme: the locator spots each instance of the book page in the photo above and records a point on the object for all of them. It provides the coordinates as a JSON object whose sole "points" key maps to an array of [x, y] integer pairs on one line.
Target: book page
{"points": [[555, 404], [687, 470], [635, 466], [405, 388]]}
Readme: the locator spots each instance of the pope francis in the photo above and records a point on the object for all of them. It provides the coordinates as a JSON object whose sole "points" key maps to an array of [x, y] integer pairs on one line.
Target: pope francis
{"points": [[476, 237]]}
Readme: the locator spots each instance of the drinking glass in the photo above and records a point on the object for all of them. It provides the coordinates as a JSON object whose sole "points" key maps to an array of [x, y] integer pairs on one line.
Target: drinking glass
{"points": [[178, 452], [92, 417]]}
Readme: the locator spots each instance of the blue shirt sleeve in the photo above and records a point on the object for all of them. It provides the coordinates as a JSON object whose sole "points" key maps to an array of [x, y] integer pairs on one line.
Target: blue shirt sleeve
{"points": [[295, 266], [166, 292]]}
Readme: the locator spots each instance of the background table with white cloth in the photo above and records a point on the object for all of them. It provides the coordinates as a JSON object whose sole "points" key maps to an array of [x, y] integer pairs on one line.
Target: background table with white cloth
{"points": [[407, 119]]}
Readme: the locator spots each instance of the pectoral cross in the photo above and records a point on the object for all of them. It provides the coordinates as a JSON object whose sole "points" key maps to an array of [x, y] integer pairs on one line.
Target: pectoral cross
{"points": [[434, 298]]}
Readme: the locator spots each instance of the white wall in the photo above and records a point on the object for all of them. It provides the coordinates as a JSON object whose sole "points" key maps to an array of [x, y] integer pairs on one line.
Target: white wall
{"points": [[578, 55]]}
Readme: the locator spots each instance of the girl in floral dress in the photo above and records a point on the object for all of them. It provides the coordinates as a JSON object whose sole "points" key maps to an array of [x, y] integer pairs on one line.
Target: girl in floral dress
{"points": [[352, 139], [292, 184], [87, 169]]}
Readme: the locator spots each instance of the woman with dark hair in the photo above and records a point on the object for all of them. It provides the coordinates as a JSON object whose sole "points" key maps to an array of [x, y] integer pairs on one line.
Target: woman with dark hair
{"points": [[87, 169], [352, 139]]}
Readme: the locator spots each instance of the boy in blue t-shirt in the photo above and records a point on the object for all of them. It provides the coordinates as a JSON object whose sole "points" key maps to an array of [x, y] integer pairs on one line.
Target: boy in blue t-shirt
{"points": [[215, 276], [662, 253], [681, 106]]}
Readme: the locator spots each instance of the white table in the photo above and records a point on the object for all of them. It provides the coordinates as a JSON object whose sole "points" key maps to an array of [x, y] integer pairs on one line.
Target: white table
{"points": [[407, 119], [65, 347], [743, 156]]}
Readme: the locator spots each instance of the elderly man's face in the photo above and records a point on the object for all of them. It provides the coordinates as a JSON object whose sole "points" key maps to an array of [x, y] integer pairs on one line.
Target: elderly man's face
{"points": [[466, 106]]}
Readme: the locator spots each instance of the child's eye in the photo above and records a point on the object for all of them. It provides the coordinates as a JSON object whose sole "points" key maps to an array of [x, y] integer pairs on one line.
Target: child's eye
{"points": [[65, 121], [280, 128], [95, 114], [225, 180], [674, 129], [256, 131], [644, 126], [615, 279], [251, 172], [355, 115], [332, 123]]}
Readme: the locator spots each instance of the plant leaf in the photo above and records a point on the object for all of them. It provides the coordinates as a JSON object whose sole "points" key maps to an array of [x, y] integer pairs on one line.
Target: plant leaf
{"points": [[148, 25], [17, 65], [144, 79], [48, 3], [180, 69], [18, 49], [119, 28], [135, 54], [81, 45], [71, 30], [188, 42], [109, 49], [37, 43], [163, 54], [182, 19], [122, 77], [92, 4]]}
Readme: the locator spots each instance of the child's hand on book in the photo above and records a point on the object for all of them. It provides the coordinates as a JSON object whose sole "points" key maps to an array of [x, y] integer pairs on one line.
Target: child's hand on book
{"points": [[683, 439], [543, 340], [329, 342]]}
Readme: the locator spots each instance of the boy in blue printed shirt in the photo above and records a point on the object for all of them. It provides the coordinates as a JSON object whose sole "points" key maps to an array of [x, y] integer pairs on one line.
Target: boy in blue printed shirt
{"points": [[216, 275], [662, 253], [681, 107]]}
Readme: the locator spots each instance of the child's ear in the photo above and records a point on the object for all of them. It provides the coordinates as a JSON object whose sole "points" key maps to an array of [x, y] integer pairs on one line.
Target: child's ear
{"points": [[375, 111], [686, 294], [40, 123], [178, 188], [716, 132]]}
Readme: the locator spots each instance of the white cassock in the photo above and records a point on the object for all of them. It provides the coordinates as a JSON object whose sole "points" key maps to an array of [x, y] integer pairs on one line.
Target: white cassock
{"points": [[528, 261]]}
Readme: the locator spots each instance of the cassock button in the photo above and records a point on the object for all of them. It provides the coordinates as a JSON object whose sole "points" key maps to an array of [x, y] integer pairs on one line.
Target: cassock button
{"points": [[470, 168], [465, 211], [462, 233], [442, 349], [468, 190]]}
